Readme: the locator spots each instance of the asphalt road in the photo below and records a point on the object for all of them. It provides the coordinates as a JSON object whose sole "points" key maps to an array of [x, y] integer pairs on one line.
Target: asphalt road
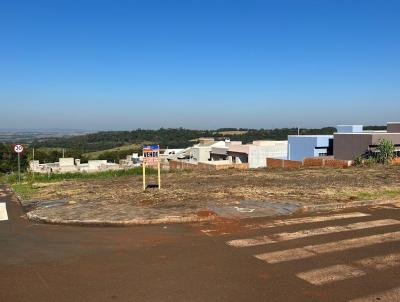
{"points": [[343, 256]]}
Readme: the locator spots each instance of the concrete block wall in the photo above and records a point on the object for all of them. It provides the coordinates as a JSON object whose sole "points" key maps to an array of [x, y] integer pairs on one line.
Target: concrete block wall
{"points": [[180, 165], [211, 167]]}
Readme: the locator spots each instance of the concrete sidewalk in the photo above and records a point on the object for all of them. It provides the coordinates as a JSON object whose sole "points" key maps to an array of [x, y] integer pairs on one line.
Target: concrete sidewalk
{"points": [[124, 214], [112, 214]]}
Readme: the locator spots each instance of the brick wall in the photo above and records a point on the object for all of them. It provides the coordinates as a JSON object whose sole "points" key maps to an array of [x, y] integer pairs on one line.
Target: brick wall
{"points": [[337, 163], [308, 162], [274, 163], [285, 164], [180, 165], [292, 164], [395, 161], [313, 162]]}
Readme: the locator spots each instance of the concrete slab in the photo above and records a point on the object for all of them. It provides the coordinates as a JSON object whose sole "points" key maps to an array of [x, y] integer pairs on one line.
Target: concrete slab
{"points": [[253, 209]]}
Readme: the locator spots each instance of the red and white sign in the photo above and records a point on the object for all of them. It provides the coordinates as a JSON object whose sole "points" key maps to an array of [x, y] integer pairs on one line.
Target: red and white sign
{"points": [[18, 148]]}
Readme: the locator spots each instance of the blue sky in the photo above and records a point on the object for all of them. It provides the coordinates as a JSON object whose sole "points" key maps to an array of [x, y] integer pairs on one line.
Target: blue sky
{"points": [[198, 64]]}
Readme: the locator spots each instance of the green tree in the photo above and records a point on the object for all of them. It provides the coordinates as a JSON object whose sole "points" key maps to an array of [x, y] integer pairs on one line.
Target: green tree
{"points": [[385, 151]]}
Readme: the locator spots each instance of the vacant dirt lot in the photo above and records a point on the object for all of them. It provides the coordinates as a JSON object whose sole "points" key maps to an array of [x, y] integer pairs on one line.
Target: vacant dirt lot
{"points": [[198, 188]]}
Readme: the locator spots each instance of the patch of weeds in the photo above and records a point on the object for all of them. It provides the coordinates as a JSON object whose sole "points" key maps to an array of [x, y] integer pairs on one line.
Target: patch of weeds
{"points": [[55, 177], [380, 194], [24, 190]]}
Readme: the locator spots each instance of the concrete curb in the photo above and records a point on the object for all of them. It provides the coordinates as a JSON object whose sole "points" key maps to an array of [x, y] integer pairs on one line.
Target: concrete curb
{"points": [[195, 218], [93, 222], [340, 206]]}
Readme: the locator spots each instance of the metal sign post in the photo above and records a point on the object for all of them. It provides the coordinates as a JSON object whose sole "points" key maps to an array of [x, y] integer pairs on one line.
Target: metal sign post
{"points": [[18, 149], [151, 157], [144, 175]]}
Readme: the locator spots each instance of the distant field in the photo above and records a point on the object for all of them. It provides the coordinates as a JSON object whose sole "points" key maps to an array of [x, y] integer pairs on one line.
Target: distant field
{"points": [[28, 136], [49, 149], [232, 132], [96, 154]]}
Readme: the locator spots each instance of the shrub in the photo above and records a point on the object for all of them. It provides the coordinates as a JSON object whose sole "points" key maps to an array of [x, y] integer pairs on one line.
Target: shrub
{"points": [[358, 161], [385, 151]]}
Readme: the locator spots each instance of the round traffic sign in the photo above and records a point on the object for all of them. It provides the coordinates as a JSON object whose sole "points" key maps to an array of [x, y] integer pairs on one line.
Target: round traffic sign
{"points": [[18, 148]]}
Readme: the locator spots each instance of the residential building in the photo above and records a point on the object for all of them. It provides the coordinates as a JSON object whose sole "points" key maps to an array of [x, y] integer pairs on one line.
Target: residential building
{"points": [[229, 152], [131, 160], [202, 151], [69, 165], [302, 146], [255, 154], [352, 141]]}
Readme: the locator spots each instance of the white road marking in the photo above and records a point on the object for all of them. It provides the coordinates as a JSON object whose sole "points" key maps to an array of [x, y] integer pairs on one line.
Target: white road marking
{"points": [[331, 274], [207, 232], [392, 295], [380, 262], [337, 246], [244, 210], [340, 272], [3, 212], [261, 240], [293, 221]]}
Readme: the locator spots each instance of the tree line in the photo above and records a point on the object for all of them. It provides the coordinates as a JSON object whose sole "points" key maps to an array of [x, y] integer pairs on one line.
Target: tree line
{"points": [[50, 150]]}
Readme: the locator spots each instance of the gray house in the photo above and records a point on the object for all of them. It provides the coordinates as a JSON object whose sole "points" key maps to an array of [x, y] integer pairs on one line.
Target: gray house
{"points": [[353, 141]]}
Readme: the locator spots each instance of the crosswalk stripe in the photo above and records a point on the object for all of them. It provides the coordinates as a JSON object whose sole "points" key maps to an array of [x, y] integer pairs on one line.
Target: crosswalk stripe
{"points": [[330, 274], [261, 240], [380, 262], [340, 272], [293, 221], [337, 246], [3, 212], [392, 295]]}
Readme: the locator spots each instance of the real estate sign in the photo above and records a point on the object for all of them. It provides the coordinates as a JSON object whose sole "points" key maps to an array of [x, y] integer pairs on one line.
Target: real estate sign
{"points": [[151, 154], [151, 157]]}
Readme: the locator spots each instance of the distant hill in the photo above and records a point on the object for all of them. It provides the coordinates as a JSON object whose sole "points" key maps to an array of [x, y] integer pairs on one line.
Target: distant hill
{"points": [[172, 138], [28, 136]]}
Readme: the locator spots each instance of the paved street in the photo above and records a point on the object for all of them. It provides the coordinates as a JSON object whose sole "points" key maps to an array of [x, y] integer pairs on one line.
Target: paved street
{"points": [[352, 255]]}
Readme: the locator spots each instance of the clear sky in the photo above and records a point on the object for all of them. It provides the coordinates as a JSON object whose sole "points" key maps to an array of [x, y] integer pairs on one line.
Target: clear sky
{"points": [[198, 64]]}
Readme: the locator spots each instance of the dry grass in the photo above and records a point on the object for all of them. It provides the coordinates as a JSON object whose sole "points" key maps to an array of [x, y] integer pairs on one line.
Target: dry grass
{"points": [[231, 186]]}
